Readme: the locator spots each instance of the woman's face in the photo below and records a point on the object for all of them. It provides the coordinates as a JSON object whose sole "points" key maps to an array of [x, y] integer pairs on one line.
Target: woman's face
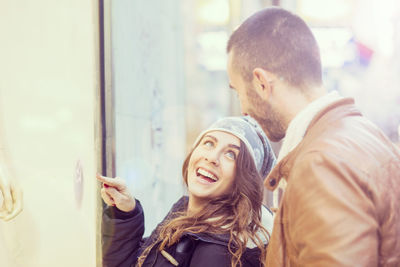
{"points": [[212, 166]]}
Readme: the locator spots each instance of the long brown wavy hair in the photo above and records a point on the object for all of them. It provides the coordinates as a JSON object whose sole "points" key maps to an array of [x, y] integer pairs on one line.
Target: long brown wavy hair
{"points": [[237, 214]]}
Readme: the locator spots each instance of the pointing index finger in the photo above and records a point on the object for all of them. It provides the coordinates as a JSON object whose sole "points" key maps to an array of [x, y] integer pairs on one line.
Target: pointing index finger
{"points": [[107, 180]]}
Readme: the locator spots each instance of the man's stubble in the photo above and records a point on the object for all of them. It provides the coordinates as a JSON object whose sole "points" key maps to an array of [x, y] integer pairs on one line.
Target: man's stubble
{"points": [[270, 119]]}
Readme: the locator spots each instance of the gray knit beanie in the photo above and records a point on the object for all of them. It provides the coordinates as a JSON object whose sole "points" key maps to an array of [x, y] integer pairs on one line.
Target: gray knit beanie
{"points": [[247, 129]]}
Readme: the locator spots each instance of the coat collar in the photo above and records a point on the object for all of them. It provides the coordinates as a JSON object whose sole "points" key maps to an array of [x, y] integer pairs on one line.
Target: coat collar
{"points": [[299, 124], [337, 109]]}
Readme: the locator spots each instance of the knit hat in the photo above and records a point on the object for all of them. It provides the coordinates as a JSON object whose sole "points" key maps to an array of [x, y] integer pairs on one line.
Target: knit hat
{"points": [[247, 130]]}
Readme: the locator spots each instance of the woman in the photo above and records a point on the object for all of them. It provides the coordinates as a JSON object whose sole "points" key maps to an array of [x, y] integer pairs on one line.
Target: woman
{"points": [[218, 224]]}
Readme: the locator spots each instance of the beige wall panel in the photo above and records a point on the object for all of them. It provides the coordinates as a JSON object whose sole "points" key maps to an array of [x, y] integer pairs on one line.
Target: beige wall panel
{"points": [[48, 112]]}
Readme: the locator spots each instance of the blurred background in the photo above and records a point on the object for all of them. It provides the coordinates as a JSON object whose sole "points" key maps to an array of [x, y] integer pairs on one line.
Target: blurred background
{"points": [[187, 86], [124, 87]]}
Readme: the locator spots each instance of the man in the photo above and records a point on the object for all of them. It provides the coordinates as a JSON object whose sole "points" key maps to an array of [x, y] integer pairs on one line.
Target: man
{"points": [[342, 174]]}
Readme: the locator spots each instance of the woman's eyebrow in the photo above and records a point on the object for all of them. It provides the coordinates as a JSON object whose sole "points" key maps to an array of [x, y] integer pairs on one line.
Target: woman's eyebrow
{"points": [[212, 137], [234, 146], [216, 140]]}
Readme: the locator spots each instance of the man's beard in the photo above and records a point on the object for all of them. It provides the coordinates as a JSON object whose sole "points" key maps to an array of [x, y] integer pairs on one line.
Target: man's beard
{"points": [[269, 119]]}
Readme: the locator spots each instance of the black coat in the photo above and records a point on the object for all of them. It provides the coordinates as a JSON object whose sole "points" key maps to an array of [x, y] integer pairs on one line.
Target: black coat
{"points": [[123, 243]]}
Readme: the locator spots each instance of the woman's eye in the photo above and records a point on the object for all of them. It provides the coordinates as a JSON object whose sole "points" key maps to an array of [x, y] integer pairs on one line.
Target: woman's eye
{"points": [[208, 143], [231, 155]]}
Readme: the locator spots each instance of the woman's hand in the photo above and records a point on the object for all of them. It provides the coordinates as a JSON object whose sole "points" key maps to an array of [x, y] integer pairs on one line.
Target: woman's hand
{"points": [[115, 193]]}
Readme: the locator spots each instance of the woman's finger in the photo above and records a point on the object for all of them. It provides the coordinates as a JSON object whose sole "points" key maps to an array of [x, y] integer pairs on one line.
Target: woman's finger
{"points": [[106, 197], [114, 194], [114, 182], [124, 201]]}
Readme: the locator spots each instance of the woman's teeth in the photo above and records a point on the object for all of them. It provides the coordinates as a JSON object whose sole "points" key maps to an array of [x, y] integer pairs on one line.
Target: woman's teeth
{"points": [[207, 174]]}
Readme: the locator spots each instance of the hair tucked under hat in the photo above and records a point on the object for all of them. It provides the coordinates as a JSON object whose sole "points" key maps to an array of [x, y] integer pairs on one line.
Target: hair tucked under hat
{"points": [[250, 132]]}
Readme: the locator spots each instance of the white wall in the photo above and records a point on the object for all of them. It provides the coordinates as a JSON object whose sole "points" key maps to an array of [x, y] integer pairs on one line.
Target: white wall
{"points": [[48, 84]]}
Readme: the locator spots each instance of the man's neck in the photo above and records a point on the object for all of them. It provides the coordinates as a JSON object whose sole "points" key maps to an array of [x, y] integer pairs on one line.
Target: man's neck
{"points": [[293, 101]]}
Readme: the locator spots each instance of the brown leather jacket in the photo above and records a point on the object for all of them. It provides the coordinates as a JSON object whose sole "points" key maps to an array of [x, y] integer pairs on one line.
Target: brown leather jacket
{"points": [[341, 206]]}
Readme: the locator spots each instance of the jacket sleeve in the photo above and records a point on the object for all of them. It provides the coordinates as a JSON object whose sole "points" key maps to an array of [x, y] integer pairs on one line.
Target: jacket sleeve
{"points": [[122, 233], [328, 218]]}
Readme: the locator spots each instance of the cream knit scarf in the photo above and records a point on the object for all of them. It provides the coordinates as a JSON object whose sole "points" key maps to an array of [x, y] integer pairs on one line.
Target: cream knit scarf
{"points": [[298, 127]]}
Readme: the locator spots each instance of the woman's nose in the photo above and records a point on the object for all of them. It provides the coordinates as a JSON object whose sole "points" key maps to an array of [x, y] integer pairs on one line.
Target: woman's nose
{"points": [[213, 157]]}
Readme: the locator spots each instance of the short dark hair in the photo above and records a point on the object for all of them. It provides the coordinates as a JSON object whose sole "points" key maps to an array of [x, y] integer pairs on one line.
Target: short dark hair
{"points": [[280, 42]]}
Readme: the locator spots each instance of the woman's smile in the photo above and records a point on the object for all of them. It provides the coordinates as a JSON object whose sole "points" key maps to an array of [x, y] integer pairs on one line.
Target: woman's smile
{"points": [[205, 176]]}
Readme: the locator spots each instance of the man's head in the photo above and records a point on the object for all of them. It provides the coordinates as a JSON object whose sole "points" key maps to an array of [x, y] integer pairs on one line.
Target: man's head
{"points": [[273, 49]]}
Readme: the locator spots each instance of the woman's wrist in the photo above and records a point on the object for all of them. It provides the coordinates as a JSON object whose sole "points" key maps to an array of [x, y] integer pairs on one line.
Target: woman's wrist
{"points": [[121, 214]]}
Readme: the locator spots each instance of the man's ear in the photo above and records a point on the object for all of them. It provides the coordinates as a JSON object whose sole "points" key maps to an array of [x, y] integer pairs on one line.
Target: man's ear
{"points": [[263, 82]]}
